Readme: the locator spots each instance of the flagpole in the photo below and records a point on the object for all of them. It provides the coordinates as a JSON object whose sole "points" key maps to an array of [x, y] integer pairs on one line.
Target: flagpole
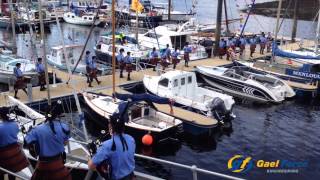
{"points": [[113, 47]]}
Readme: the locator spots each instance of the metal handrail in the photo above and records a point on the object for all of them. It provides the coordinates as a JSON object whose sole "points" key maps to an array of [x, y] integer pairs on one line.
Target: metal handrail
{"points": [[193, 168], [13, 174]]}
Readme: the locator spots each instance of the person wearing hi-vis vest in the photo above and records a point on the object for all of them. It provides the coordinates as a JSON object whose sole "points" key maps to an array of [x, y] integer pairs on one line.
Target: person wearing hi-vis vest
{"points": [[12, 157]]}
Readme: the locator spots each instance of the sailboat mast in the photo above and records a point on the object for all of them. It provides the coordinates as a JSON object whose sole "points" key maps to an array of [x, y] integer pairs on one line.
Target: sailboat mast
{"points": [[318, 32], [169, 10], [13, 27], [113, 47], [277, 26], [44, 52]]}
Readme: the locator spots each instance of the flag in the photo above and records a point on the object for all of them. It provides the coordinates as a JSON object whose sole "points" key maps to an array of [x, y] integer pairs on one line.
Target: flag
{"points": [[137, 6]]}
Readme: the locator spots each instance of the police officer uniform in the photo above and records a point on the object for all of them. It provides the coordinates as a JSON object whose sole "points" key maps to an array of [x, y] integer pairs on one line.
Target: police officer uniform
{"points": [[49, 139], [88, 62], [252, 45], [12, 157], [93, 71]]}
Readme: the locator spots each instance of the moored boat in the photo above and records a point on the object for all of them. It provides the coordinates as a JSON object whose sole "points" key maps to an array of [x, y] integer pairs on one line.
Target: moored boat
{"points": [[238, 82], [141, 116], [81, 18], [183, 88]]}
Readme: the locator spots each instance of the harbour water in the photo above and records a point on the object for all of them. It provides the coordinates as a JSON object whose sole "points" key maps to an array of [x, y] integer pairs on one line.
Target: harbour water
{"points": [[287, 131]]}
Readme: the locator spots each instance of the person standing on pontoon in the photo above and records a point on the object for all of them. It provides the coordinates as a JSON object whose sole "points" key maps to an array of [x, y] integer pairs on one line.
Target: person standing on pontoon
{"points": [[88, 62], [243, 43], [128, 61], [269, 42], [20, 80], [93, 71], [175, 59], [263, 41], [253, 45], [222, 48], [41, 74], [154, 58], [120, 60], [187, 50], [12, 157]]}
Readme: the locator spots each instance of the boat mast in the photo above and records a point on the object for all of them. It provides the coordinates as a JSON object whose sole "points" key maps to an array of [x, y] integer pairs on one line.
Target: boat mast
{"points": [[13, 27], [169, 10], [44, 52], [113, 46], [70, 74], [226, 16], [318, 32], [277, 27], [218, 26]]}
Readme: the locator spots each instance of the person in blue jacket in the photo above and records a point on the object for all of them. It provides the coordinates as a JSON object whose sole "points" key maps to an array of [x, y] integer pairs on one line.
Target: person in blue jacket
{"points": [[41, 74], [12, 157], [48, 140], [117, 151]]}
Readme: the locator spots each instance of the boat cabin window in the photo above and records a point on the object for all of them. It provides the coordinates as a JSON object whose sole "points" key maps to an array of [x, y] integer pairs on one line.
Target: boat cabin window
{"points": [[189, 79], [136, 112], [175, 83], [178, 41], [72, 16], [110, 49], [90, 18], [164, 82], [183, 81], [84, 17], [68, 15], [153, 35], [54, 53]]}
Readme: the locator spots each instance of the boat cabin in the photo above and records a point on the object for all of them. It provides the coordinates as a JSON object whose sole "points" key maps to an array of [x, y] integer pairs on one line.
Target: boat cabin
{"points": [[57, 55], [176, 83]]}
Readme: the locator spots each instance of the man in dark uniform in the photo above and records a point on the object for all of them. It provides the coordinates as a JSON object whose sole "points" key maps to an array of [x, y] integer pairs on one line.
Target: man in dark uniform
{"points": [[41, 74], [120, 60], [12, 157], [119, 151], [49, 139], [128, 61], [175, 59], [20, 82]]}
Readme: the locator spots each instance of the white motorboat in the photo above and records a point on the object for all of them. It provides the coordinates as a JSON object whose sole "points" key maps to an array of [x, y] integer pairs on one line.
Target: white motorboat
{"points": [[103, 49], [32, 119], [175, 38], [142, 116], [81, 18], [8, 63], [56, 59], [244, 84], [183, 88]]}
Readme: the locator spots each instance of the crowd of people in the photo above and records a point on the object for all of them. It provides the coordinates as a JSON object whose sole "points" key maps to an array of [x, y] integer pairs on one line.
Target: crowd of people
{"points": [[227, 46]]}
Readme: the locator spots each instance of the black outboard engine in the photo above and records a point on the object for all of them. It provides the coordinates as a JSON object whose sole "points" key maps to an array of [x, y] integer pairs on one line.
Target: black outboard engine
{"points": [[218, 109]]}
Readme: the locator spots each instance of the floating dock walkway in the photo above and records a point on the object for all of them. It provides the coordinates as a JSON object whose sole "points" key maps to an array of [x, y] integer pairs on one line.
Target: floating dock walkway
{"points": [[80, 85]]}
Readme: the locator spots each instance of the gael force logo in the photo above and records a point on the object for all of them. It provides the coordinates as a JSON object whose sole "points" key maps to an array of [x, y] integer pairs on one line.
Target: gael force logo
{"points": [[239, 163]]}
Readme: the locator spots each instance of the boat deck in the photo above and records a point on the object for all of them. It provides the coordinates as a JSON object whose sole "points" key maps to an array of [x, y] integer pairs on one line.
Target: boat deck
{"points": [[80, 85]]}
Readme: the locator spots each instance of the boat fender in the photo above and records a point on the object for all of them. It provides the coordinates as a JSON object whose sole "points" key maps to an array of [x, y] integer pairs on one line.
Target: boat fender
{"points": [[218, 108]]}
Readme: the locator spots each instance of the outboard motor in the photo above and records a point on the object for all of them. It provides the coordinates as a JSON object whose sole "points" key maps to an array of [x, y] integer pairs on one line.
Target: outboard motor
{"points": [[218, 109]]}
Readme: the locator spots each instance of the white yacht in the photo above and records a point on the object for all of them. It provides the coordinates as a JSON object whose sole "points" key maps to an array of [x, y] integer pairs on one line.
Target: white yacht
{"points": [[57, 59], [183, 88], [82, 18], [176, 38]]}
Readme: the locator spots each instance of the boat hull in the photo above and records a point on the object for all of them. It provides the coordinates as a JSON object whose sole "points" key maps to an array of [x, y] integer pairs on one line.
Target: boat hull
{"points": [[102, 123]]}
